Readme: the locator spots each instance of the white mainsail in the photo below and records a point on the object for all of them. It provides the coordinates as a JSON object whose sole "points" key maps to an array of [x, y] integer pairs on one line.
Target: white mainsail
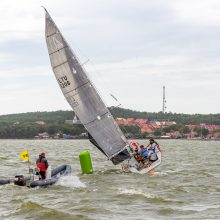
{"points": [[83, 97]]}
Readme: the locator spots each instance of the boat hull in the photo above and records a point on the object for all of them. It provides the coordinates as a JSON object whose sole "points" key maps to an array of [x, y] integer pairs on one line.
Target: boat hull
{"points": [[56, 173], [45, 182], [3, 182], [133, 168]]}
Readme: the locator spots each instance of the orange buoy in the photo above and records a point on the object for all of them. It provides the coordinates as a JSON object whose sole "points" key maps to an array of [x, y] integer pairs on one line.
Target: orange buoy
{"points": [[151, 172]]}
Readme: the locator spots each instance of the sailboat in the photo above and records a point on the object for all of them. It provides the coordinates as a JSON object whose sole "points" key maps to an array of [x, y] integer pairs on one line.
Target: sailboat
{"points": [[81, 94]]}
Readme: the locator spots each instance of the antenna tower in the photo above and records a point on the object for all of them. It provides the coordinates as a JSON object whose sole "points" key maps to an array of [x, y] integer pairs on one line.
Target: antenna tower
{"points": [[164, 100]]}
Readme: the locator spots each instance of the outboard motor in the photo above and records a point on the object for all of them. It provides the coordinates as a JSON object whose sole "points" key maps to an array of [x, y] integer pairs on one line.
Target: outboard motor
{"points": [[20, 180]]}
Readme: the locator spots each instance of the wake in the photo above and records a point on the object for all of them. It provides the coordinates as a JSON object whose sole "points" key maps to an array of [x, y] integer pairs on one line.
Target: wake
{"points": [[70, 181]]}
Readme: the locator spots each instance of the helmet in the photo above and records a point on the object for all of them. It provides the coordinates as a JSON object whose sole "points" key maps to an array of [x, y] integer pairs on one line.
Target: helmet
{"points": [[42, 154]]}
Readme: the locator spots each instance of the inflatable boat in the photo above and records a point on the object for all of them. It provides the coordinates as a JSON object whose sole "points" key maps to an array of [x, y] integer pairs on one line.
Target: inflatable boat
{"points": [[30, 181]]}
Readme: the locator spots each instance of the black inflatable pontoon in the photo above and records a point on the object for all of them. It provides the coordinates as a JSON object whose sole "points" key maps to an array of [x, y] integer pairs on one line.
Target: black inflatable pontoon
{"points": [[3, 182], [56, 173]]}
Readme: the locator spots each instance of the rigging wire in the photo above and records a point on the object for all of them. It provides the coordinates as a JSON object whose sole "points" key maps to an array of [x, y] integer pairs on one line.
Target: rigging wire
{"points": [[102, 80]]}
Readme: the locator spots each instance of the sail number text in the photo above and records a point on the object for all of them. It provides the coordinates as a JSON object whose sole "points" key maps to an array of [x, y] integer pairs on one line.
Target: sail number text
{"points": [[63, 81]]}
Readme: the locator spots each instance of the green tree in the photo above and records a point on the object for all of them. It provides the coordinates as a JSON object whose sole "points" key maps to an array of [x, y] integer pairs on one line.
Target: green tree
{"points": [[135, 130], [157, 132], [202, 131]]}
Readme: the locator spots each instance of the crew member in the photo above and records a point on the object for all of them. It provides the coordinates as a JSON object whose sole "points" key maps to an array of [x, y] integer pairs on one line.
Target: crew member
{"points": [[137, 155], [144, 153], [42, 165], [153, 148]]}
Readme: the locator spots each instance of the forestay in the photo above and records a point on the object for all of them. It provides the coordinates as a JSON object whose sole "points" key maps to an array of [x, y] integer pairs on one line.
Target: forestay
{"points": [[83, 97]]}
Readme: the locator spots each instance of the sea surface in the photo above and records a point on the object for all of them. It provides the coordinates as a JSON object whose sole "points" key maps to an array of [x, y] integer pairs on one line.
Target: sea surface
{"points": [[185, 186]]}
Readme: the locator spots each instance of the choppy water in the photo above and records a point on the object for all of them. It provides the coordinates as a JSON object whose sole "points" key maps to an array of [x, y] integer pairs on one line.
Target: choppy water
{"points": [[185, 186]]}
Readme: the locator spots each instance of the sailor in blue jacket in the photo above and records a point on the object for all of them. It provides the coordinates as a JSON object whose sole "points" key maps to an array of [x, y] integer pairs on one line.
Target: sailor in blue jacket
{"points": [[144, 153]]}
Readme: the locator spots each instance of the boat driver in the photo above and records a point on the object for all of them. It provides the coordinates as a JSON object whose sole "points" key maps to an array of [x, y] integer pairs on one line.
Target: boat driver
{"points": [[42, 165]]}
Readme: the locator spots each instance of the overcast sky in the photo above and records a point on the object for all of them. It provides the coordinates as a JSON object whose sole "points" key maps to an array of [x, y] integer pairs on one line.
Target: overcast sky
{"points": [[134, 49]]}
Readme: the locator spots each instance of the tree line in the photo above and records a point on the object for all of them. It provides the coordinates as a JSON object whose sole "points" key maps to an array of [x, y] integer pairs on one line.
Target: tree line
{"points": [[24, 125], [179, 118]]}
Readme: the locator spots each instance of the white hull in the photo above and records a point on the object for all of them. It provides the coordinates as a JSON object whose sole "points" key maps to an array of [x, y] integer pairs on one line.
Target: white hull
{"points": [[133, 167]]}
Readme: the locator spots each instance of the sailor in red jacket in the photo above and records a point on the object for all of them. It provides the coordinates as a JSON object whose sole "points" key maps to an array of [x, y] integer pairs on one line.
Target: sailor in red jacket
{"points": [[42, 165]]}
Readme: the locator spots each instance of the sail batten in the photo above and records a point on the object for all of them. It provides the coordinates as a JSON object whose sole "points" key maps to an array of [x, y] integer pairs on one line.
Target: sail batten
{"points": [[96, 118], [57, 50], [83, 97], [77, 88]]}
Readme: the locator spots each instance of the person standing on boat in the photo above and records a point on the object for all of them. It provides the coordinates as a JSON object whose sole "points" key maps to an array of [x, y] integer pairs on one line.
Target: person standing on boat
{"points": [[153, 148], [42, 165]]}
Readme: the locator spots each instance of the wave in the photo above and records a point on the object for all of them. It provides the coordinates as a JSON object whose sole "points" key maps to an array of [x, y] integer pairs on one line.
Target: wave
{"points": [[132, 192], [200, 207], [138, 192], [150, 196], [26, 206], [109, 171], [37, 211], [71, 181], [3, 158]]}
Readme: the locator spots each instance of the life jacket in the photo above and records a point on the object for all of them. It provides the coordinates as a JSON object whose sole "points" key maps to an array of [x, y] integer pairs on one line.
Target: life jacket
{"points": [[41, 165], [153, 157], [138, 157], [154, 148]]}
